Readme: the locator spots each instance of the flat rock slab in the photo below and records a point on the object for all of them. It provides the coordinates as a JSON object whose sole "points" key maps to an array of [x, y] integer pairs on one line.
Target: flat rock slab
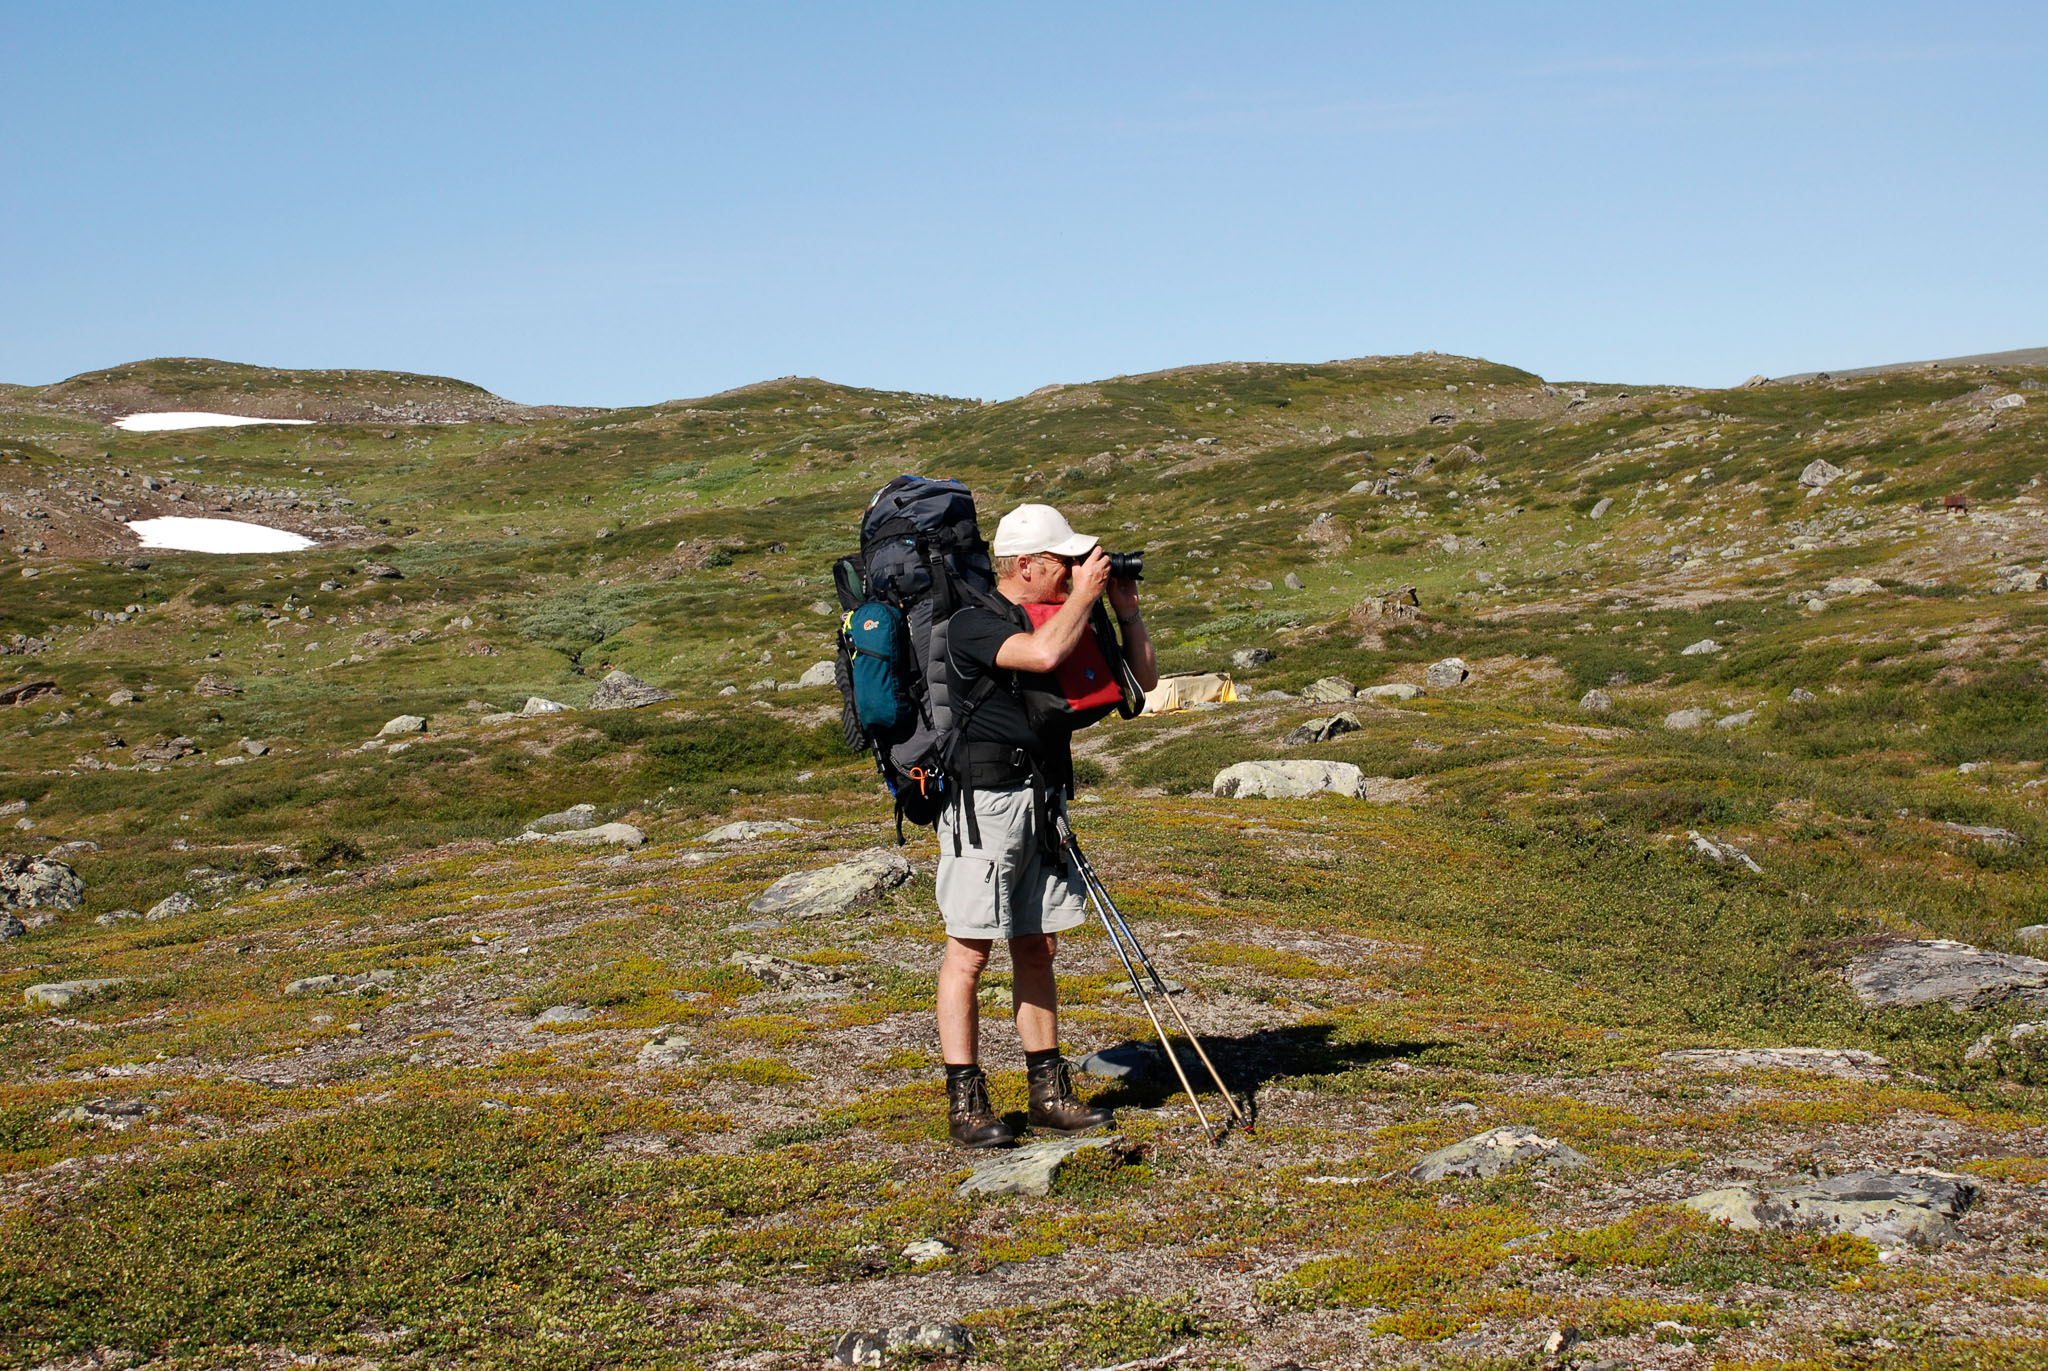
{"points": [[1494, 1151], [38, 883], [1891, 1208], [1393, 690], [780, 973], [1030, 1170], [833, 889], [622, 691], [1288, 780], [1847, 1062], [1938, 970], [1124, 1062], [603, 835], [667, 1048], [64, 994], [746, 830]]}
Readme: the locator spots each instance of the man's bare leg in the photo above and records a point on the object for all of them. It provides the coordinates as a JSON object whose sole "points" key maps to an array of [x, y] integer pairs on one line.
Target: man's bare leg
{"points": [[1036, 994], [959, 1011]]}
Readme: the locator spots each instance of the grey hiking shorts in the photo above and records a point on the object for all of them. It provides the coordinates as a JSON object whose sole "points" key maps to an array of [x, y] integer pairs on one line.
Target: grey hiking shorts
{"points": [[1003, 887]]}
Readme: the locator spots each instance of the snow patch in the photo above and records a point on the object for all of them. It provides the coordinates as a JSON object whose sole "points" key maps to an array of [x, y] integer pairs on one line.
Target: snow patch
{"points": [[216, 535], [192, 418]]}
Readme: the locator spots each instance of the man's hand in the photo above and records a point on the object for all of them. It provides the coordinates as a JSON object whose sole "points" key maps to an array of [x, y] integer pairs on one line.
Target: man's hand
{"points": [[1091, 575]]}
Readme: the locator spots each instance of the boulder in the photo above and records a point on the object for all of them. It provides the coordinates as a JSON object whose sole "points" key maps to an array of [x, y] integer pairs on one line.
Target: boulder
{"points": [[404, 723], [368, 983], [11, 928], [38, 883], [1322, 730], [1741, 720], [819, 674], [2031, 933], [254, 747], [780, 973], [558, 1014], [564, 820], [1288, 780], [1031, 1169], [64, 994], [1802, 696], [1494, 1151], [746, 830], [1293, 582], [1819, 473], [872, 1347], [621, 691], [170, 906], [1687, 719], [213, 687], [1596, 702], [1936, 970], [1330, 690], [117, 916], [833, 889], [1451, 671], [537, 704], [928, 1250], [1705, 647], [1601, 506], [1851, 585], [1891, 1208], [1849, 1063], [123, 696], [1393, 690], [382, 571], [1245, 658]]}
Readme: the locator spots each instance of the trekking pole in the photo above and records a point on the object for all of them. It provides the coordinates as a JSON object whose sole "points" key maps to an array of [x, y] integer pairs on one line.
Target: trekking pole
{"points": [[1105, 905]]}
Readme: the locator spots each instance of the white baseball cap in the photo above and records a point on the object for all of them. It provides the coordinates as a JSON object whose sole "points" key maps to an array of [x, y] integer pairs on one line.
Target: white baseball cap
{"points": [[1039, 528]]}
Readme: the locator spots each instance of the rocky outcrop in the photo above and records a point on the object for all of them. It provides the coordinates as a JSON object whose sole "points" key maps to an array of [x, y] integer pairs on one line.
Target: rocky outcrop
{"points": [[1891, 1208], [833, 889], [1494, 1151], [1322, 730], [1936, 970]]}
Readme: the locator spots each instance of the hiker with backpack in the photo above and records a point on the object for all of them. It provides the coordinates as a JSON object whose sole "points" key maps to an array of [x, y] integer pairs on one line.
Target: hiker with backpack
{"points": [[968, 678]]}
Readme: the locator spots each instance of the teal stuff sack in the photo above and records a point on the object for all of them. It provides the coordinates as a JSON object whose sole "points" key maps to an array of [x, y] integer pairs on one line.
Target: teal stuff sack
{"points": [[874, 632]]}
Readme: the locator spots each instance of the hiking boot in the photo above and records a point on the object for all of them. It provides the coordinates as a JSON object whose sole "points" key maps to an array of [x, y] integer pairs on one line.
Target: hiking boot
{"points": [[1054, 1105], [970, 1119]]}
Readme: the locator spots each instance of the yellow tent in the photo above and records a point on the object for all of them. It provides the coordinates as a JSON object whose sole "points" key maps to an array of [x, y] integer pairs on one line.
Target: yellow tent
{"points": [[1178, 692]]}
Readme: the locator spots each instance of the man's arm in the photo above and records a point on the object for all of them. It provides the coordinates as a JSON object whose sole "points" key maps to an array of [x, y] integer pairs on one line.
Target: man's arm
{"points": [[1052, 642], [1123, 598]]}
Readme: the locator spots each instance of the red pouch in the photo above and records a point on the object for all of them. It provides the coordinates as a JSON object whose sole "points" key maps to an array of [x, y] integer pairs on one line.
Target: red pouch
{"points": [[1084, 678]]}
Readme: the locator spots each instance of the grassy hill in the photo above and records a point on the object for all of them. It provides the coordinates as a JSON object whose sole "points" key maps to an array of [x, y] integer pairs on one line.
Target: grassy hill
{"points": [[201, 383], [431, 1174]]}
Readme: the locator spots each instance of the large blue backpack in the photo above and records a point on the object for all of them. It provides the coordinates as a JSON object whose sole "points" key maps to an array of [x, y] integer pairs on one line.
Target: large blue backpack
{"points": [[921, 558]]}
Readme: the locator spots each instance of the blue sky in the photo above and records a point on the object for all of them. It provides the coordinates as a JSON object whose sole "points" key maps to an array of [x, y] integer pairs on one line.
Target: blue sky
{"points": [[613, 204]]}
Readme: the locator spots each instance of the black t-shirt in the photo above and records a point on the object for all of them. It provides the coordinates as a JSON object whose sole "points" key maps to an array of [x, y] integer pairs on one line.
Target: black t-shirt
{"points": [[973, 637]]}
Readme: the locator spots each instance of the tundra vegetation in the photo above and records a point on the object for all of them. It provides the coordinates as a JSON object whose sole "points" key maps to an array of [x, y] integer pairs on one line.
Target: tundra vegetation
{"points": [[544, 1116]]}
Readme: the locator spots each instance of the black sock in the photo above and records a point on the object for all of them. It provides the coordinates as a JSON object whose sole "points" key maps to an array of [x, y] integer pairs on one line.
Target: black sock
{"points": [[957, 1073], [1034, 1060]]}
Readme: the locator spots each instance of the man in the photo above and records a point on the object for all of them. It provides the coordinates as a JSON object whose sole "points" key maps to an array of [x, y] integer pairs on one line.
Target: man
{"points": [[1001, 876]]}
